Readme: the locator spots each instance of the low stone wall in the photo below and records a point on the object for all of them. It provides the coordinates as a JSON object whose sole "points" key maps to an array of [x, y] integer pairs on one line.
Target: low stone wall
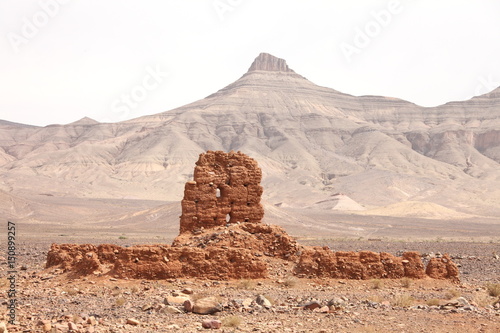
{"points": [[321, 262], [155, 262]]}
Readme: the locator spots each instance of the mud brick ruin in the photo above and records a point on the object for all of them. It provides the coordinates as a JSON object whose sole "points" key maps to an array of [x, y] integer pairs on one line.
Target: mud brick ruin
{"points": [[226, 189], [222, 237]]}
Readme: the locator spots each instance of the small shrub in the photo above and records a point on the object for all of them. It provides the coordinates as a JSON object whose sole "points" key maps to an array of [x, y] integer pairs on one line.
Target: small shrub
{"points": [[433, 302], [290, 282], [122, 237], [493, 289], [376, 298], [403, 301], [452, 293], [232, 321], [120, 301], [483, 300], [377, 284], [406, 282], [134, 289], [71, 291], [246, 284]]}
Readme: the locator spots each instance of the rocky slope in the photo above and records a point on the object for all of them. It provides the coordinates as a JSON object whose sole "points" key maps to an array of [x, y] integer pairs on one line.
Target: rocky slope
{"points": [[312, 143]]}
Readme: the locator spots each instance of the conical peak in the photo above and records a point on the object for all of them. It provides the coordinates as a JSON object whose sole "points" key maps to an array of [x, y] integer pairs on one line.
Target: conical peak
{"points": [[270, 63]]}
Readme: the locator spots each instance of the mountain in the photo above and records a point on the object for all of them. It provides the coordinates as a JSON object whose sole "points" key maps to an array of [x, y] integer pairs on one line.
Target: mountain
{"points": [[312, 143]]}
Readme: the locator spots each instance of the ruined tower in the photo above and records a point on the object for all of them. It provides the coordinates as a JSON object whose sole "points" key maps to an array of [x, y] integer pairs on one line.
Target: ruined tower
{"points": [[226, 189]]}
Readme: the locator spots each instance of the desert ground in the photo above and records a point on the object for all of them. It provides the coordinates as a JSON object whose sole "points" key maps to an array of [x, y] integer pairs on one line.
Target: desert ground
{"points": [[51, 301]]}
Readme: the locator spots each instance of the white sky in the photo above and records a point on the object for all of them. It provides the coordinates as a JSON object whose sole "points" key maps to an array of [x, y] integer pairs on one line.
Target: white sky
{"points": [[79, 58]]}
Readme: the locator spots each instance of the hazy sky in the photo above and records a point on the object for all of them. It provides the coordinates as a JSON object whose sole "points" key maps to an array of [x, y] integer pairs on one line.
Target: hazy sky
{"points": [[116, 60]]}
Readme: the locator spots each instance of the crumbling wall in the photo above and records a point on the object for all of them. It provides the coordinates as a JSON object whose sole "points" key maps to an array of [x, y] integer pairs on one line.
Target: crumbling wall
{"points": [[79, 259], [442, 268], [322, 262], [226, 189], [156, 262]]}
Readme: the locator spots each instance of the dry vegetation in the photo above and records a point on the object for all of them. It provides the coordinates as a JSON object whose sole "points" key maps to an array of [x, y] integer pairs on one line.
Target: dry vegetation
{"points": [[377, 284], [493, 289], [232, 321], [403, 300]]}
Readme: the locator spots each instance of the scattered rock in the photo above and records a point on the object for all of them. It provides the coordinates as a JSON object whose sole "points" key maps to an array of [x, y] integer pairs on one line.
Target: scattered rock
{"points": [[72, 326], [132, 321], [337, 302], [188, 305], [187, 291], [263, 301], [46, 325], [247, 302], [211, 324], [171, 310], [175, 300], [207, 305], [173, 327], [323, 309], [146, 307], [312, 305], [462, 301]]}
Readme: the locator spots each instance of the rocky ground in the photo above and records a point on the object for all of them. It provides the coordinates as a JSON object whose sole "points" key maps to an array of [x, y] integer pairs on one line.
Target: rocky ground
{"points": [[50, 301]]}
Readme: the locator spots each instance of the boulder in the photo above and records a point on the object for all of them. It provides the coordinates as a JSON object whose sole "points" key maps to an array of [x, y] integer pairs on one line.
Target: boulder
{"points": [[263, 301], [175, 300], [133, 322], [170, 310], [211, 324], [207, 305]]}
